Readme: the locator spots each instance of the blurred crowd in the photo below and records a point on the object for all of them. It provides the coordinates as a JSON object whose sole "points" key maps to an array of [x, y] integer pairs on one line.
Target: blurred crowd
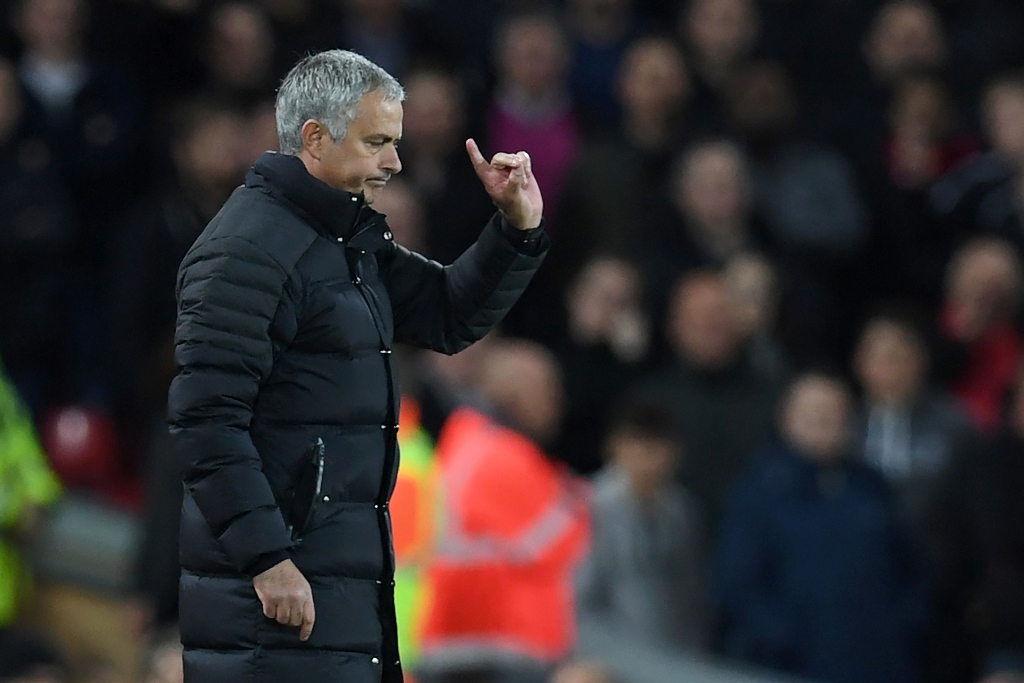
{"points": [[780, 329]]}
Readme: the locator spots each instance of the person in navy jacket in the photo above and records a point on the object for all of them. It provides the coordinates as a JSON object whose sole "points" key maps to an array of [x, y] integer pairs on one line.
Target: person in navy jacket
{"points": [[813, 574]]}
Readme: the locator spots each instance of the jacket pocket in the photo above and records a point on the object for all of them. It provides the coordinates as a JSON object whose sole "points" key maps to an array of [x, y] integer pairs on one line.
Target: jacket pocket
{"points": [[307, 490]]}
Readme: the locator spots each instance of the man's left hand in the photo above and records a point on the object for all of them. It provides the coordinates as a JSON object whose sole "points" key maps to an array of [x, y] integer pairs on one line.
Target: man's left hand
{"points": [[508, 179]]}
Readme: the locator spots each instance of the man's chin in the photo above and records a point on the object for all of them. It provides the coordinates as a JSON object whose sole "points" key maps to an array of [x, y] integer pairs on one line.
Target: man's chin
{"points": [[372, 191]]}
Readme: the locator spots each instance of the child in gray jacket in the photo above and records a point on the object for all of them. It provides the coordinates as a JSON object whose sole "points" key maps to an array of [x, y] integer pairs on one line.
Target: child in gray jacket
{"points": [[643, 577]]}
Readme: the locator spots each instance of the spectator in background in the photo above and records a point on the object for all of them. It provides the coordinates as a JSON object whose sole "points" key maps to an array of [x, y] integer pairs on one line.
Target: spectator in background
{"points": [[205, 148], [990, 512], [813, 213], [644, 576], [980, 346], [603, 348], [708, 218], [376, 29], [905, 430], [722, 404], [600, 31], [806, 192], [433, 154], [88, 112], [813, 574], [720, 36], [755, 293], [240, 54], [984, 196], [912, 435], [514, 530], [924, 140], [618, 174], [37, 234], [905, 37], [531, 108]]}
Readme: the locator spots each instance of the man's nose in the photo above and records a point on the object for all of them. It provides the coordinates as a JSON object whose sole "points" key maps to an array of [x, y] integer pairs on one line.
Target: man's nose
{"points": [[390, 162]]}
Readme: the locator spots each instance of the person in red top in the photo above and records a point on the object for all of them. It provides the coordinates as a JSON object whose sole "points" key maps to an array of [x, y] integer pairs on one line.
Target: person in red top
{"points": [[514, 527], [981, 347]]}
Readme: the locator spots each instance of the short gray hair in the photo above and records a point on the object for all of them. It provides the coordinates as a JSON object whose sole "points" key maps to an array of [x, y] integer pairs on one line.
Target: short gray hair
{"points": [[327, 87]]}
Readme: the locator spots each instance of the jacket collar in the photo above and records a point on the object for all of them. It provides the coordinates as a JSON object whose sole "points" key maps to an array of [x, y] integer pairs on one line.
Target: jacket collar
{"points": [[336, 213]]}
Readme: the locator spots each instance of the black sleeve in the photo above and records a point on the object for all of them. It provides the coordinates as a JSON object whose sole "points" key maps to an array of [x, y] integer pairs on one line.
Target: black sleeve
{"points": [[447, 308], [228, 299]]}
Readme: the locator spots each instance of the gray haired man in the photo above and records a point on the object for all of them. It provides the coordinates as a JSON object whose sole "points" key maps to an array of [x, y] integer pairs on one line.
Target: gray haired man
{"points": [[285, 406]]}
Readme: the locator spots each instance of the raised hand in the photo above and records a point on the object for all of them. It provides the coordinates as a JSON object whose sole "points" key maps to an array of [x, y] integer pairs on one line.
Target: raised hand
{"points": [[508, 179]]}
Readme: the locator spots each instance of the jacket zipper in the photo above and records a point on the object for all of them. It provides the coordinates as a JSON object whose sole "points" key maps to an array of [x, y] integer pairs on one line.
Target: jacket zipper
{"points": [[299, 529]]}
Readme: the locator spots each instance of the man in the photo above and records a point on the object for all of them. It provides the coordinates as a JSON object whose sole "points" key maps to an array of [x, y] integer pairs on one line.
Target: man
{"points": [[906, 430], [514, 527], [813, 574], [285, 404]]}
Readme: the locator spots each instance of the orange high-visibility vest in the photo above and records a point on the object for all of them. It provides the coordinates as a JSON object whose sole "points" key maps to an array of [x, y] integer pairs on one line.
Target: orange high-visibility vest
{"points": [[513, 529], [414, 509]]}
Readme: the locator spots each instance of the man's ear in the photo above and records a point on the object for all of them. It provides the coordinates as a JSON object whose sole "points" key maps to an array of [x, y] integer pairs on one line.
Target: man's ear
{"points": [[314, 136]]}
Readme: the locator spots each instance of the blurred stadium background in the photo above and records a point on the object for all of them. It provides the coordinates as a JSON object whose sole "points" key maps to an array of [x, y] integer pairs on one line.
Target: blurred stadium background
{"points": [[738, 191]]}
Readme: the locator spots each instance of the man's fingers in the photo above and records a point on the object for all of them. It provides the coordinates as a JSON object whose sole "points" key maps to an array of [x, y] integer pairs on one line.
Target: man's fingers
{"points": [[297, 615], [474, 153], [524, 160], [503, 160], [517, 177], [308, 618], [284, 613], [269, 609]]}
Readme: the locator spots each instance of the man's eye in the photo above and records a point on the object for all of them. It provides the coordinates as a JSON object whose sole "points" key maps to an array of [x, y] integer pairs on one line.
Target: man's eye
{"points": [[376, 144]]}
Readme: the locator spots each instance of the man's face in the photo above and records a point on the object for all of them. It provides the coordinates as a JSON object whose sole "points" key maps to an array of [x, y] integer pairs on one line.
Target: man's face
{"points": [[816, 419], [648, 462], [654, 80], [890, 363], [713, 188], [703, 326], [1004, 121], [434, 110], [366, 158]]}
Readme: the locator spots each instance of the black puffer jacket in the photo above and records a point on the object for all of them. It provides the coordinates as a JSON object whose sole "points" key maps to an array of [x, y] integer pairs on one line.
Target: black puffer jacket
{"points": [[288, 305]]}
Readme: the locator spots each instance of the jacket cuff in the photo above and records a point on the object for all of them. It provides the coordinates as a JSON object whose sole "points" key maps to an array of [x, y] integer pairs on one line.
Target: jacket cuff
{"points": [[266, 561], [530, 242]]}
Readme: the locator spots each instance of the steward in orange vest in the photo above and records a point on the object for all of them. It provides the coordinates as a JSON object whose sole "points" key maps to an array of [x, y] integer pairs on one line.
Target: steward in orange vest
{"points": [[414, 508], [514, 526]]}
